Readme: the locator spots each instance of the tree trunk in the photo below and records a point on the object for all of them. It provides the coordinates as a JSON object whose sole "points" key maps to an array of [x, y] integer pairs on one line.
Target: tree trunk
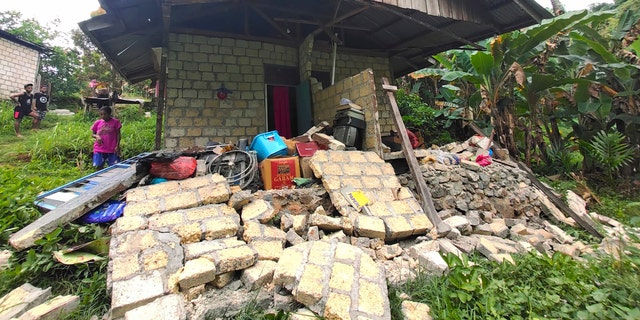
{"points": [[557, 7]]}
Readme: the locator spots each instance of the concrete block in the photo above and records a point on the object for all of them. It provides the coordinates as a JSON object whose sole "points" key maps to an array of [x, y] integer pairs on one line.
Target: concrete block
{"points": [[397, 227], [170, 307], [196, 272], [56, 308], [433, 263], [415, 311], [268, 249], [258, 275], [371, 227], [21, 299], [132, 293], [258, 209]]}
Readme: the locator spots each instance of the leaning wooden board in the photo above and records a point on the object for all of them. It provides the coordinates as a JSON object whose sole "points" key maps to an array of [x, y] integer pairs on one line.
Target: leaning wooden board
{"points": [[416, 173]]}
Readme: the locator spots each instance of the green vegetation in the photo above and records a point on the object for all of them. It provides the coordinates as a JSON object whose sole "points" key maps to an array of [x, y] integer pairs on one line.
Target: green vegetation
{"points": [[535, 287], [561, 96], [60, 152]]}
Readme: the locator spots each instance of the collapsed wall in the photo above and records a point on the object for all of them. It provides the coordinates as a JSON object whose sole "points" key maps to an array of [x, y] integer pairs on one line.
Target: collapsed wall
{"points": [[196, 248]]}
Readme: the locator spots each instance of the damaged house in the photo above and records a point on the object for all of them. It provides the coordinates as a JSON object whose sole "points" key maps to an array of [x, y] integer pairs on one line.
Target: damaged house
{"points": [[227, 70], [199, 248]]}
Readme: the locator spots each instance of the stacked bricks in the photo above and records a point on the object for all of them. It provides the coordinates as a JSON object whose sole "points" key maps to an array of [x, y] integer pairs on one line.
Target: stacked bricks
{"points": [[18, 66], [361, 90], [198, 65], [172, 237], [334, 280], [392, 213]]}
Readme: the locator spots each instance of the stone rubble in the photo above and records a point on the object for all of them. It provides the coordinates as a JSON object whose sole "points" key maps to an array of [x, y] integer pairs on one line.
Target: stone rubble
{"points": [[195, 249]]}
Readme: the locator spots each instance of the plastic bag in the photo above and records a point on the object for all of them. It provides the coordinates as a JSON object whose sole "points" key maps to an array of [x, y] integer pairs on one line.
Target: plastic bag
{"points": [[483, 160], [178, 169], [106, 212]]}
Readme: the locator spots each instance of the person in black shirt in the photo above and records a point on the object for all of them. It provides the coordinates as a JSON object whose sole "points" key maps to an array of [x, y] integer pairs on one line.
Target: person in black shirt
{"points": [[41, 100], [24, 107]]}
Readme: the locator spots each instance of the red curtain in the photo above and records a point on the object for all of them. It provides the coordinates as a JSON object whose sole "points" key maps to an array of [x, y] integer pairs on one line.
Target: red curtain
{"points": [[281, 111]]}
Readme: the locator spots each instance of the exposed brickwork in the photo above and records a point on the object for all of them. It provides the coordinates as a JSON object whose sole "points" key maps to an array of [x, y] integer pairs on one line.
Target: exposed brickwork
{"points": [[385, 216], [361, 90], [335, 280], [198, 65], [18, 66]]}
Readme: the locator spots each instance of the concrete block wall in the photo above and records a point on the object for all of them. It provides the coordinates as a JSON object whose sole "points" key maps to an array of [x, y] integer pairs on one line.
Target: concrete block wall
{"points": [[198, 65], [348, 65], [18, 66], [360, 89]]}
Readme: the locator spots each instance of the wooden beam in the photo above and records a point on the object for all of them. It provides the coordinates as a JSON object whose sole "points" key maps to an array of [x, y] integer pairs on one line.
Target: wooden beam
{"points": [[416, 173], [420, 22], [271, 22], [340, 19], [317, 23], [584, 222]]}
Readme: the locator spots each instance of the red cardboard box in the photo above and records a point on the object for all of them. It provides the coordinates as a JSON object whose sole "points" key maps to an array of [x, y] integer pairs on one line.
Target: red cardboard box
{"points": [[278, 173], [306, 149]]}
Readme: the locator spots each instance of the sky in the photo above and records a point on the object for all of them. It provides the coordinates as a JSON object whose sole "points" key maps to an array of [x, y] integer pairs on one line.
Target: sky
{"points": [[572, 5], [70, 12]]}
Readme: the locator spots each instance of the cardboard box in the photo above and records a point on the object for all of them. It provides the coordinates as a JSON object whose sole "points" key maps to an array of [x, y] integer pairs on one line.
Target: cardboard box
{"points": [[305, 167], [278, 173], [306, 149]]}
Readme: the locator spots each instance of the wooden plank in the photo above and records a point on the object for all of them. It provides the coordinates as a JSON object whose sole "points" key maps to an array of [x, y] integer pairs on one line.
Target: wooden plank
{"points": [[433, 7], [416, 173], [420, 5], [73, 209], [583, 221]]}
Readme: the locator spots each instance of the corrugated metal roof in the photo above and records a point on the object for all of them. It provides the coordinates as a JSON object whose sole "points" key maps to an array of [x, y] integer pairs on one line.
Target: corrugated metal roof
{"points": [[131, 28]]}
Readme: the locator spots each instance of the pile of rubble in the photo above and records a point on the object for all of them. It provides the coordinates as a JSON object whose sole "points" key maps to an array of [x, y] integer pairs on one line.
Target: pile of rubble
{"points": [[202, 249]]}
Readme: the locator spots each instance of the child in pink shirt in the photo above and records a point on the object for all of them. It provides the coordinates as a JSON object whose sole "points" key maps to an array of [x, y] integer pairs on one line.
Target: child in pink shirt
{"points": [[106, 132]]}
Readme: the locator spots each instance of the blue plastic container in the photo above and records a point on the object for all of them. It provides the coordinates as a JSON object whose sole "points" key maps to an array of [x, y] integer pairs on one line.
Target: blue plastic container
{"points": [[268, 144]]}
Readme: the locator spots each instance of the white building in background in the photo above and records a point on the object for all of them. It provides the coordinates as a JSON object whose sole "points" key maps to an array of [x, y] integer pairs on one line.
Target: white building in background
{"points": [[19, 63]]}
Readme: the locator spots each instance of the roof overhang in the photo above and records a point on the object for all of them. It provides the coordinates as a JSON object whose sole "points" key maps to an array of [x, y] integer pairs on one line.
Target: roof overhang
{"points": [[407, 32], [18, 40]]}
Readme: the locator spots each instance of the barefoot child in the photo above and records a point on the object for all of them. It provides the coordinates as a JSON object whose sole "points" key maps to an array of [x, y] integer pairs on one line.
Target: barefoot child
{"points": [[106, 132]]}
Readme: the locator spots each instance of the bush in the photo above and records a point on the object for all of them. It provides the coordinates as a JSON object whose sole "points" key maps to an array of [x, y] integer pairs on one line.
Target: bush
{"points": [[417, 115]]}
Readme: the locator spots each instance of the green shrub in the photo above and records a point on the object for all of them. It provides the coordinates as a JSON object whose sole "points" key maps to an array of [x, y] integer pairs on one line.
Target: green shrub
{"points": [[42, 161], [535, 287], [610, 151], [417, 115]]}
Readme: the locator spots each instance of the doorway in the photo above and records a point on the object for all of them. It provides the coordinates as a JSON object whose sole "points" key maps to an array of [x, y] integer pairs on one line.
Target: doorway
{"points": [[281, 110], [288, 102]]}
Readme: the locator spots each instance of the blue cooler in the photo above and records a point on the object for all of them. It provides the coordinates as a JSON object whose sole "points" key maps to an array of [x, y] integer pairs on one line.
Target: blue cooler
{"points": [[268, 144]]}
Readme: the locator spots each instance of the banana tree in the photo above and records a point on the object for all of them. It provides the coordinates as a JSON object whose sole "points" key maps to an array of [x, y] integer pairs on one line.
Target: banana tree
{"points": [[612, 99]]}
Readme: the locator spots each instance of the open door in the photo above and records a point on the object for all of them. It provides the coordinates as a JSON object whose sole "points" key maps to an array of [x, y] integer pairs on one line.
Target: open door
{"points": [[281, 110], [289, 106], [304, 107]]}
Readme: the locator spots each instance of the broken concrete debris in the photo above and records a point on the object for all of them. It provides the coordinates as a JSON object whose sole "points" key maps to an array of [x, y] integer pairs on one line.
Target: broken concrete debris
{"points": [[28, 302], [194, 249]]}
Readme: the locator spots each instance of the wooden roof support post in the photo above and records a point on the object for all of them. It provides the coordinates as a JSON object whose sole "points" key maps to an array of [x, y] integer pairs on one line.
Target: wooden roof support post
{"points": [[416, 173]]}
